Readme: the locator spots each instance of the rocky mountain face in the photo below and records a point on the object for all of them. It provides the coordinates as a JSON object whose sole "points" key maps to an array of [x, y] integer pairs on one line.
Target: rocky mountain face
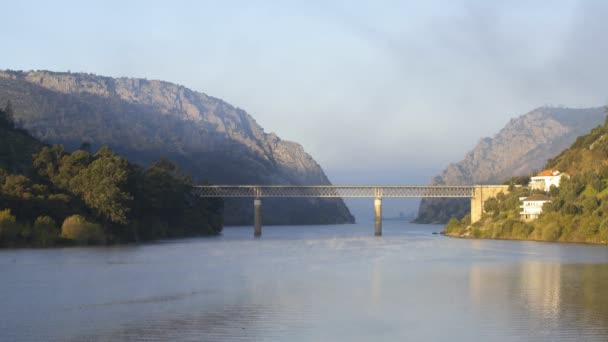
{"points": [[523, 145], [146, 119]]}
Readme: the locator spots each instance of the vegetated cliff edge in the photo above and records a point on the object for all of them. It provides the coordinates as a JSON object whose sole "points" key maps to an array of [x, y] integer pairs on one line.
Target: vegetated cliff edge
{"points": [[146, 119], [522, 146], [577, 210]]}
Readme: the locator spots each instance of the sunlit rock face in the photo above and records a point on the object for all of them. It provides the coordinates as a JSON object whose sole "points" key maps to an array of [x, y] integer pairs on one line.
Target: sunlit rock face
{"points": [[523, 145], [148, 119]]}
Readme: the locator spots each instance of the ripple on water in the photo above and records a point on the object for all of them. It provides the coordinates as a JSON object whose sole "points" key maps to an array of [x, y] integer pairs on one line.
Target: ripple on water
{"points": [[301, 284]]}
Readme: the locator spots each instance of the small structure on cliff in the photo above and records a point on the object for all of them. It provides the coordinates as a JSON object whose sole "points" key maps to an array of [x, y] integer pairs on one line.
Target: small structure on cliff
{"points": [[545, 179], [532, 206]]}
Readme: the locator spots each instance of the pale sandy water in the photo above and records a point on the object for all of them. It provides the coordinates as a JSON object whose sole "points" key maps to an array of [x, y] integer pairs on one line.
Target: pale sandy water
{"points": [[321, 283]]}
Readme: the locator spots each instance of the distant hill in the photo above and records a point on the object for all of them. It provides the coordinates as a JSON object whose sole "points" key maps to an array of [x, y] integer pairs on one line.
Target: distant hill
{"points": [[577, 210], [523, 145], [147, 119]]}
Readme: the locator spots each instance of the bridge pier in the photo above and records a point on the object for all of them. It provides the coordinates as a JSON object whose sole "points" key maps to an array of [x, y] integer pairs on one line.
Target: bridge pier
{"points": [[257, 217], [378, 216]]}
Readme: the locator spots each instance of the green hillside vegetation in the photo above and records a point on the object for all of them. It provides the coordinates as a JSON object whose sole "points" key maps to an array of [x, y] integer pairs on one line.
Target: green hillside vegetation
{"points": [[141, 119], [49, 196], [578, 211]]}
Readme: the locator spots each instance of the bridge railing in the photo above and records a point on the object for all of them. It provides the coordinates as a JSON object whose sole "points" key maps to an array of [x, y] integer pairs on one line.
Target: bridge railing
{"points": [[333, 191]]}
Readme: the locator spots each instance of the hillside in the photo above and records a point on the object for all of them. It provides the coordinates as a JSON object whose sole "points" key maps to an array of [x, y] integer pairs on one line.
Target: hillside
{"points": [[16, 147], [578, 208], [49, 196], [147, 119], [523, 145]]}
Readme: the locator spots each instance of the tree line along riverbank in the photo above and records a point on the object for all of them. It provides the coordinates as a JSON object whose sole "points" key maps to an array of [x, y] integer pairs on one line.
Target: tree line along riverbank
{"points": [[49, 196]]}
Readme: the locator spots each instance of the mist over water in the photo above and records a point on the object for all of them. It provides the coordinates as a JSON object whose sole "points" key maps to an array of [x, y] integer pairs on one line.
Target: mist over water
{"points": [[308, 283]]}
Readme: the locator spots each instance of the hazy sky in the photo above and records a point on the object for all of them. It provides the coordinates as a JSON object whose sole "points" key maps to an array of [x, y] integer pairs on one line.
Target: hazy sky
{"points": [[394, 87]]}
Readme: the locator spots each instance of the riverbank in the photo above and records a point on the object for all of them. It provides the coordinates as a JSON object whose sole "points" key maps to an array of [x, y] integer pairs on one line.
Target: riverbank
{"points": [[471, 237], [511, 229]]}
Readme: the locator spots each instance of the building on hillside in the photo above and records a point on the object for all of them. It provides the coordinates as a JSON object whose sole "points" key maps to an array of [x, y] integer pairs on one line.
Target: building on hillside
{"points": [[532, 206], [545, 179]]}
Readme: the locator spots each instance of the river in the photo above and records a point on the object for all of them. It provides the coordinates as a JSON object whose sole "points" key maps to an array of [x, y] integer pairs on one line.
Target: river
{"points": [[308, 283]]}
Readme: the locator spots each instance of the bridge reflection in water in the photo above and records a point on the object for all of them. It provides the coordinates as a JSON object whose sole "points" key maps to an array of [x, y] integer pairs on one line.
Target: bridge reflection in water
{"points": [[477, 193]]}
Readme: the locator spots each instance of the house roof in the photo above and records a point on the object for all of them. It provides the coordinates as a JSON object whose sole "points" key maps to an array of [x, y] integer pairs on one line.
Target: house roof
{"points": [[548, 173], [537, 198]]}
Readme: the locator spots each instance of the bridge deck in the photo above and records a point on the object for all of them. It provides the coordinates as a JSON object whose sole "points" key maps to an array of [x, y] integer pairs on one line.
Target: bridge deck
{"points": [[259, 191]]}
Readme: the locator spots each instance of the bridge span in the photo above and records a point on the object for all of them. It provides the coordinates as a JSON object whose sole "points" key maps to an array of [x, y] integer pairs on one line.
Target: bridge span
{"points": [[477, 193]]}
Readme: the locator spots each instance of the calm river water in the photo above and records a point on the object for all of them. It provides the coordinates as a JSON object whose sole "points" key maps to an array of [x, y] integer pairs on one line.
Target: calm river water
{"points": [[321, 283]]}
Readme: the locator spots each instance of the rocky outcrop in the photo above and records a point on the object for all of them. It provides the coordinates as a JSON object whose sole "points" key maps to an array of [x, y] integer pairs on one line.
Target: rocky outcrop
{"points": [[523, 145], [147, 119]]}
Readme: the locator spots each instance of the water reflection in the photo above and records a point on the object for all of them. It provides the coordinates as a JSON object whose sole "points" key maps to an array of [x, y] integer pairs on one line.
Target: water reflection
{"points": [[552, 300], [308, 283]]}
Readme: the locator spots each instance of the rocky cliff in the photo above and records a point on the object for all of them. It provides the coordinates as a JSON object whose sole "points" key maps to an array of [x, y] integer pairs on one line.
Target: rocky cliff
{"points": [[523, 145], [147, 119]]}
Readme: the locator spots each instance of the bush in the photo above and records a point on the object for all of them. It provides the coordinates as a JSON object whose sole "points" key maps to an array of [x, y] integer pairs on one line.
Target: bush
{"points": [[45, 231], [603, 231], [521, 230], [476, 233], [8, 226], [78, 229], [551, 232], [453, 227]]}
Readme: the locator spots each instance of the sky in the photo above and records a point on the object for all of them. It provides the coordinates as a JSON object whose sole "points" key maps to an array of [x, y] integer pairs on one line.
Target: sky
{"points": [[376, 91]]}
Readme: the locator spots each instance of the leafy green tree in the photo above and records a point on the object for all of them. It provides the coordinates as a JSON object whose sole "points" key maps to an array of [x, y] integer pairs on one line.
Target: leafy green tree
{"points": [[102, 186], [48, 160], [70, 167]]}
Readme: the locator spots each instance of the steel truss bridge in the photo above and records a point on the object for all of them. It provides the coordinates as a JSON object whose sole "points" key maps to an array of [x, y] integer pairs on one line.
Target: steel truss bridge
{"points": [[477, 193], [333, 191]]}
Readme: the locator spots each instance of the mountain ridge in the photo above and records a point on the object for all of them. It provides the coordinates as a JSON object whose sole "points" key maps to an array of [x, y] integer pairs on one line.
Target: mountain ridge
{"points": [[524, 144], [144, 119]]}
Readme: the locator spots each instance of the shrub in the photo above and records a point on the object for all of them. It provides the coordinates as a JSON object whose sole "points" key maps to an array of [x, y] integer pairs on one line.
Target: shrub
{"points": [[466, 220], [453, 224], [522, 230], [45, 231], [77, 228], [603, 231], [590, 204], [8, 226], [551, 232], [476, 233]]}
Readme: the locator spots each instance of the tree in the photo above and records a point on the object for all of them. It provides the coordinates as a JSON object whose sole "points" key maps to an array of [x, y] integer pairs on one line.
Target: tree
{"points": [[9, 114], [102, 186], [70, 166], [47, 161]]}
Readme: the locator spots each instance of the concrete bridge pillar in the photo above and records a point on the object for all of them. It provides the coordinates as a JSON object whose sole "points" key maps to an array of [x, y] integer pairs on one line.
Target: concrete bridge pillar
{"points": [[257, 217], [483, 193], [378, 216]]}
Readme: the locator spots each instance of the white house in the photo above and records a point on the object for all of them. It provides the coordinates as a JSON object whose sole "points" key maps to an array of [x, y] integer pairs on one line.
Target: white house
{"points": [[545, 179], [532, 206]]}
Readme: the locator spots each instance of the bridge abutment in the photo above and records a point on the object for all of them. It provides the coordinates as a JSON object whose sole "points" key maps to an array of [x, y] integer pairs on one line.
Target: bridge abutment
{"points": [[481, 194], [378, 216]]}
